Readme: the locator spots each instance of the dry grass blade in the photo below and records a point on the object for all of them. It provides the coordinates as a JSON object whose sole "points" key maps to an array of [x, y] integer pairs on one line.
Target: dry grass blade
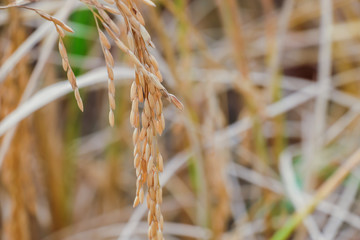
{"points": [[325, 189], [16, 4], [30, 88], [295, 194], [26, 46], [324, 79], [276, 186], [346, 199], [56, 91]]}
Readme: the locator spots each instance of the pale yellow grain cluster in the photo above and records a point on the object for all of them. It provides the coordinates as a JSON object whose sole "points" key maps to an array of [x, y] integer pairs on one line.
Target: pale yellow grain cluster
{"points": [[60, 27], [146, 117], [146, 95]]}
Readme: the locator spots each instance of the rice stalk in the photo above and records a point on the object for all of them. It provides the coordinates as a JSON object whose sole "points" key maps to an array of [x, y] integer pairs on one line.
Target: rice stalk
{"points": [[51, 163], [146, 90], [249, 90], [216, 165], [16, 221], [231, 19]]}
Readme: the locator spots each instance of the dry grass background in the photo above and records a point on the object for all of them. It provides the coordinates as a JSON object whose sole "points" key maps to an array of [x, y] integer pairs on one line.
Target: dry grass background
{"points": [[267, 145]]}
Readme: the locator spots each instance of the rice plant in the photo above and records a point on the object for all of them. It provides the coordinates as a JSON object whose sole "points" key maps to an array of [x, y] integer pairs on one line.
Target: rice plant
{"points": [[257, 136]]}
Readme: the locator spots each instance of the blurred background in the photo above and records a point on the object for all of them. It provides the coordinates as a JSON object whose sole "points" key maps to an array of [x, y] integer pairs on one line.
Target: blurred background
{"points": [[266, 147]]}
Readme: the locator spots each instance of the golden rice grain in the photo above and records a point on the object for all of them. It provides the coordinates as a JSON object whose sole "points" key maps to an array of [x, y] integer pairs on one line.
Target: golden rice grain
{"points": [[112, 10], [135, 136], [104, 40], [160, 163], [62, 50], [71, 78], [136, 201], [149, 218], [111, 118], [144, 33], [176, 102], [159, 235], [149, 2], [111, 101], [141, 195], [110, 1], [78, 99]]}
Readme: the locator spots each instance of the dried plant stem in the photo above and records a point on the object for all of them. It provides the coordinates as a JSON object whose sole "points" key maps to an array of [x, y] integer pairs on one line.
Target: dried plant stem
{"points": [[326, 188], [184, 19], [274, 90], [231, 20], [159, 26], [324, 66], [16, 224]]}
